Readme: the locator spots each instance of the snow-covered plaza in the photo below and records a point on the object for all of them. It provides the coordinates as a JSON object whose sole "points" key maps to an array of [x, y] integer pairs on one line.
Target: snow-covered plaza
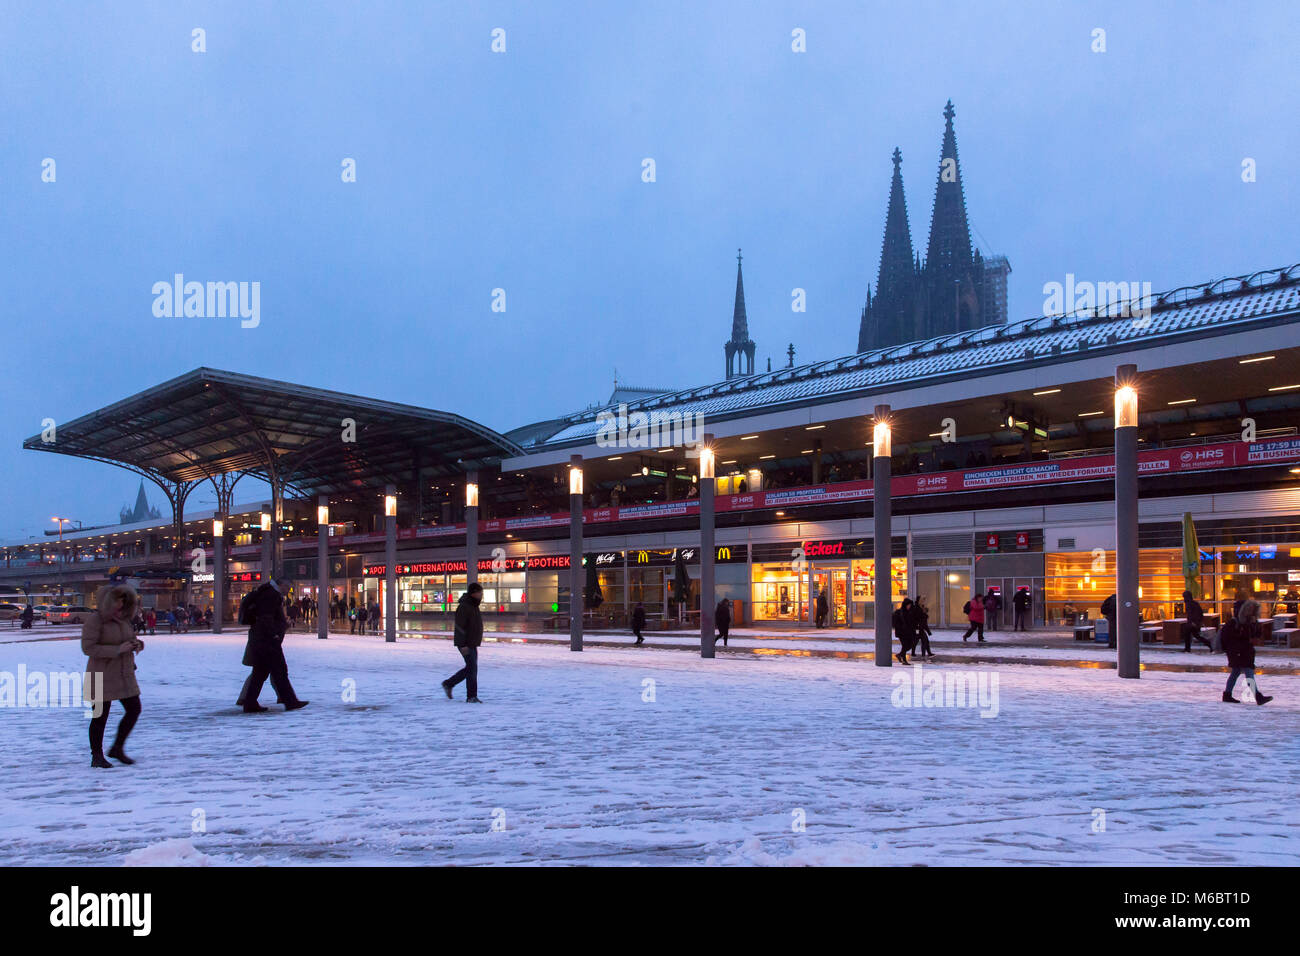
{"points": [[644, 756]]}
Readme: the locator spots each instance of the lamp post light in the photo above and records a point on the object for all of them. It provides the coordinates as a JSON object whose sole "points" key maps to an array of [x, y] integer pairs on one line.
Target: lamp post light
{"points": [[575, 553], [267, 546], [1127, 611], [322, 566], [61, 522], [218, 574], [471, 528], [707, 553], [390, 564], [882, 517]]}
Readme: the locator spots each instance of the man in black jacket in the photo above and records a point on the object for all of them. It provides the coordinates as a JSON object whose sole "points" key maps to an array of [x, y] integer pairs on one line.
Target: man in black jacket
{"points": [[263, 611], [1192, 626], [1109, 608], [468, 637], [1021, 601], [722, 619], [638, 621]]}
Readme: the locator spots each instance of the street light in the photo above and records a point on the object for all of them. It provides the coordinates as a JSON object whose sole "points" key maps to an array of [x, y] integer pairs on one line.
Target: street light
{"points": [[61, 522]]}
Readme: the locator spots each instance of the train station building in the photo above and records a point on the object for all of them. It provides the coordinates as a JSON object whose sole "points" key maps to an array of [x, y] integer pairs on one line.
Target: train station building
{"points": [[1001, 463]]}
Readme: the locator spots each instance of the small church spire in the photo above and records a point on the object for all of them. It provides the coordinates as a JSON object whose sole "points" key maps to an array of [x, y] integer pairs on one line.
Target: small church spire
{"points": [[740, 347]]}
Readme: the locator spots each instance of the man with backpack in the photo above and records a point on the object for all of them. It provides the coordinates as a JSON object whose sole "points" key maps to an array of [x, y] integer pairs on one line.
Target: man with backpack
{"points": [[1236, 637], [263, 611]]}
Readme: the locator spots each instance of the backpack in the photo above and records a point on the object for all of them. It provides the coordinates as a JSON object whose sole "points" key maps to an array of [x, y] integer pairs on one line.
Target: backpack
{"points": [[246, 615], [965, 608]]}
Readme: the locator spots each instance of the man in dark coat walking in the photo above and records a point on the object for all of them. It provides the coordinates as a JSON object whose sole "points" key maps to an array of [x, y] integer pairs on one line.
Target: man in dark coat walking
{"points": [[722, 618], [823, 608], [468, 637], [263, 611], [1192, 626], [638, 621]]}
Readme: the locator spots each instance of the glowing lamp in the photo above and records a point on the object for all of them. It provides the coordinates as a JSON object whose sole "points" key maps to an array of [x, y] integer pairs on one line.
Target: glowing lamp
{"points": [[883, 438], [1126, 407]]}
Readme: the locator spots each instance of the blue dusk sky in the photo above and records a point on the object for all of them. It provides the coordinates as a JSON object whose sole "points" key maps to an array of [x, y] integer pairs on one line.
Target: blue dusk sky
{"points": [[522, 171]]}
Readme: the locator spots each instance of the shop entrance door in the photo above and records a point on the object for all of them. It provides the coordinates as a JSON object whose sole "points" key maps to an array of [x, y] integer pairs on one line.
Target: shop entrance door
{"points": [[834, 582]]}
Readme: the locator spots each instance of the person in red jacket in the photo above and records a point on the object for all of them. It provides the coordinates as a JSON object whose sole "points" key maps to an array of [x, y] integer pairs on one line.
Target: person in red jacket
{"points": [[974, 610]]}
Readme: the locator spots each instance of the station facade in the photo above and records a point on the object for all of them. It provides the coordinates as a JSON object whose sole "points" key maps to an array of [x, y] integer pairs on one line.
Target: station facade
{"points": [[1003, 476]]}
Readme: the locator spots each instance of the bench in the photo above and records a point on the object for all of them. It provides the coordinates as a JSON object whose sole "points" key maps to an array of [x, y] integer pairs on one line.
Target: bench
{"points": [[1084, 632]]}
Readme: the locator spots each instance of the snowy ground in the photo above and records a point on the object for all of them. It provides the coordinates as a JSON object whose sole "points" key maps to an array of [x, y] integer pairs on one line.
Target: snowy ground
{"points": [[581, 769]]}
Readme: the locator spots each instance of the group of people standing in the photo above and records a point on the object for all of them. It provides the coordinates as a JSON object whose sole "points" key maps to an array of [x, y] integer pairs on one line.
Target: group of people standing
{"points": [[362, 618]]}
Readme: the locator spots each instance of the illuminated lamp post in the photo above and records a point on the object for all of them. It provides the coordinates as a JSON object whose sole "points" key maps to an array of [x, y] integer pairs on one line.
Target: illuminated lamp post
{"points": [[707, 554], [267, 546], [218, 574], [882, 515], [390, 564], [322, 566], [1127, 611], [575, 553], [471, 528]]}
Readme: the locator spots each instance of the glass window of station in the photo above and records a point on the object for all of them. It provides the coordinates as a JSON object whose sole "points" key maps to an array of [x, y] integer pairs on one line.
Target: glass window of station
{"points": [[1077, 582]]}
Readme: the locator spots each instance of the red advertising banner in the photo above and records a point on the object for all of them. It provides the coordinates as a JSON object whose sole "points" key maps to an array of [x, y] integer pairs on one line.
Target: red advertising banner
{"points": [[1092, 468]]}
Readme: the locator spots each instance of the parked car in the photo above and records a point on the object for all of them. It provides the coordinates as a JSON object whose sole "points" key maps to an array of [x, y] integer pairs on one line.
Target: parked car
{"points": [[42, 611], [68, 615]]}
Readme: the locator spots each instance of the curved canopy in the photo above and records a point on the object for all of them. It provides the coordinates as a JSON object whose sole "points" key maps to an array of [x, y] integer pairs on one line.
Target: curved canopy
{"points": [[208, 423]]}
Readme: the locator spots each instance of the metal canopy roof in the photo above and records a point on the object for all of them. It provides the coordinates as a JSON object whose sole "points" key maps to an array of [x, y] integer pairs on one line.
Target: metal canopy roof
{"points": [[1227, 304], [208, 423]]}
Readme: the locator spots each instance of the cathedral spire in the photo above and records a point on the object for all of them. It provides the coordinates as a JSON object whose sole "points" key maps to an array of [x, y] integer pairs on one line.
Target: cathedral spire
{"points": [[949, 263], [891, 314], [740, 344], [896, 252]]}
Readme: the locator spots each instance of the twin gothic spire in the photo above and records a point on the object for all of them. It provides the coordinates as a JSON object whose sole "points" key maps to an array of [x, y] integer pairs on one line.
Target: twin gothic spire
{"points": [[915, 300]]}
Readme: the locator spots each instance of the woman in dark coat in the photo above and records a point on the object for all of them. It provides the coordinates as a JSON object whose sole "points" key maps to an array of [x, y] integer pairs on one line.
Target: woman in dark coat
{"points": [[722, 618], [921, 619], [110, 646], [1236, 634], [904, 630]]}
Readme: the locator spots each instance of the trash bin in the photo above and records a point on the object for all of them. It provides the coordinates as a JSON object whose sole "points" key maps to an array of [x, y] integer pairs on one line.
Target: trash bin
{"points": [[1102, 634]]}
